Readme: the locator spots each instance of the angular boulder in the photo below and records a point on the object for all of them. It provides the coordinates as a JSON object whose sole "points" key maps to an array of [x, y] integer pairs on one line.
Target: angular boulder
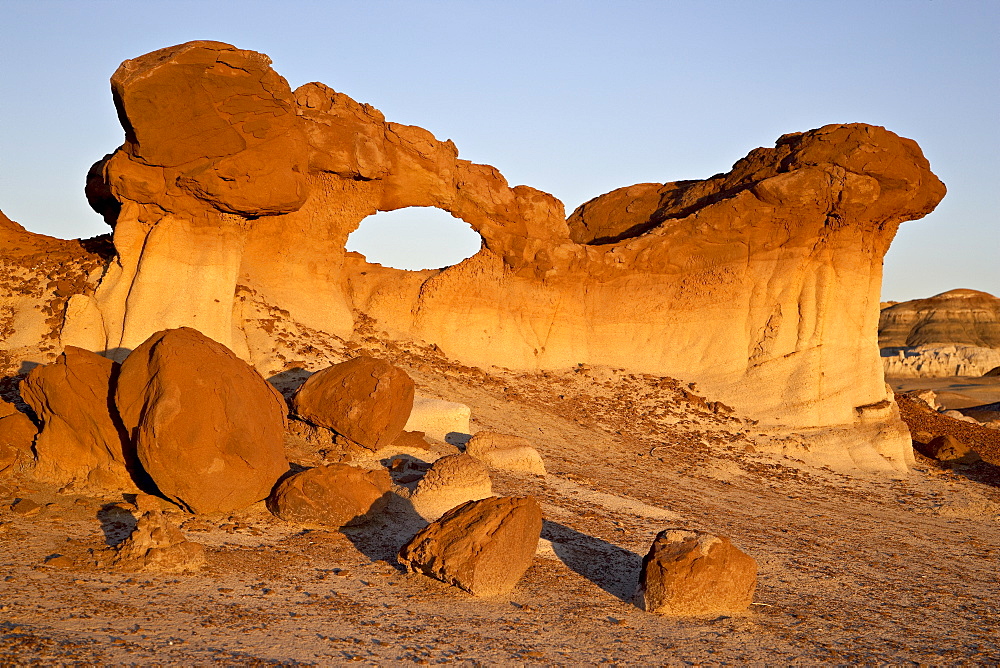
{"points": [[207, 428], [335, 495], [690, 573], [451, 481], [17, 433], [483, 547], [82, 440], [156, 545], [365, 399], [505, 452]]}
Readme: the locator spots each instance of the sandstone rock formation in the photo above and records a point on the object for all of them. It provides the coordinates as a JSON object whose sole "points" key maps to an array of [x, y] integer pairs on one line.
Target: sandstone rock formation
{"points": [[955, 333], [938, 361], [958, 317], [82, 440], [695, 573], [232, 198], [206, 427], [335, 495], [449, 482], [156, 545], [506, 452], [365, 399], [483, 547], [38, 275]]}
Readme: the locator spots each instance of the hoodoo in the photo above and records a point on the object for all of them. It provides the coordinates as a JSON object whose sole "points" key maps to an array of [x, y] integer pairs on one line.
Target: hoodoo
{"points": [[232, 198]]}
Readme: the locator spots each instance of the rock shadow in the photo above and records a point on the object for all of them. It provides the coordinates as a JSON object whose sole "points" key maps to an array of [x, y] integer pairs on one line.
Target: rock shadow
{"points": [[117, 523], [981, 472], [289, 381], [26, 368], [458, 439], [382, 537], [612, 568]]}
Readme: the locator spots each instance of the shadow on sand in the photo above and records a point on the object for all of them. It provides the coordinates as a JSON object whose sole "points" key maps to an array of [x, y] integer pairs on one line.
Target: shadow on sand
{"points": [[612, 568]]}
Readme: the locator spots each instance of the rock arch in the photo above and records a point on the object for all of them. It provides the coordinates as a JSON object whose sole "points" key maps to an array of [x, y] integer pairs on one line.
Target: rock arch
{"points": [[762, 284]]}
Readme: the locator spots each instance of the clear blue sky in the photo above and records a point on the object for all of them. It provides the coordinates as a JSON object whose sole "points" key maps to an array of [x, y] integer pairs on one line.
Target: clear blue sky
{"points": [[575, 98]]}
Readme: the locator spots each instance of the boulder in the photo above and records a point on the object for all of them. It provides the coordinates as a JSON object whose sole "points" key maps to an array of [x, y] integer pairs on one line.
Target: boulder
{"points": [[82, 440], [483, 547], [17, 433], [451, 481], [505, 452], [6, 409], [688, 573], [439, 419], [207, 428], [334, 495], [365, 399], [947, 448], [156, 545]]}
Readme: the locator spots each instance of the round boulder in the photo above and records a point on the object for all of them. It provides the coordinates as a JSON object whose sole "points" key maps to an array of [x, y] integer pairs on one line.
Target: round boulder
{"points": [[207, 428], [334, 495], [451, 481], [365, 399]]}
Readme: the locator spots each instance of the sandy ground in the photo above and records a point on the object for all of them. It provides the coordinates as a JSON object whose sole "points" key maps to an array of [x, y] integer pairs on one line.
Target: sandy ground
{"points": [[853, 569], [954, 391]]}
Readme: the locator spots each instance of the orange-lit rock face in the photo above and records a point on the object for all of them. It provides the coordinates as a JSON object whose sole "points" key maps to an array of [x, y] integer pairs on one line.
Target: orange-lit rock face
{"points": [[237, 195]]}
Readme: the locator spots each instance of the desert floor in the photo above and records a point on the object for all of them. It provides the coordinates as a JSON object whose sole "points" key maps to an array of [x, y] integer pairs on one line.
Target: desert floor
{"points": [[954, 392], [853, 568]]}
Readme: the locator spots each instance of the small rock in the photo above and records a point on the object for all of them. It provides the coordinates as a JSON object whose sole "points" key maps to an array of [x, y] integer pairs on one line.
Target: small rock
{"points": [[59, 561], [25, 507], [147, 502], [483, 547], [695, 573], [156, 545], [505, 452], [451, 481], [334, 495]]}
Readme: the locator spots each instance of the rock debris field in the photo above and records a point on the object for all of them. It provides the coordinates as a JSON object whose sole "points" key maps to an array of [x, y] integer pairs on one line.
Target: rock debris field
{"points": [[850, 568]]}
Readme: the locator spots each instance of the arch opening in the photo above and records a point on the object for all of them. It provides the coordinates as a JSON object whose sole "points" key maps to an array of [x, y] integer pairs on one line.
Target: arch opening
{"points": [[415, 238]]}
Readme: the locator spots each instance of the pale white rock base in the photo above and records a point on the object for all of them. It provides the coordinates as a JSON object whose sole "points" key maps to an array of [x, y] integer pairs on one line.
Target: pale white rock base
{"points": [[939, 361], [438, 418]]}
